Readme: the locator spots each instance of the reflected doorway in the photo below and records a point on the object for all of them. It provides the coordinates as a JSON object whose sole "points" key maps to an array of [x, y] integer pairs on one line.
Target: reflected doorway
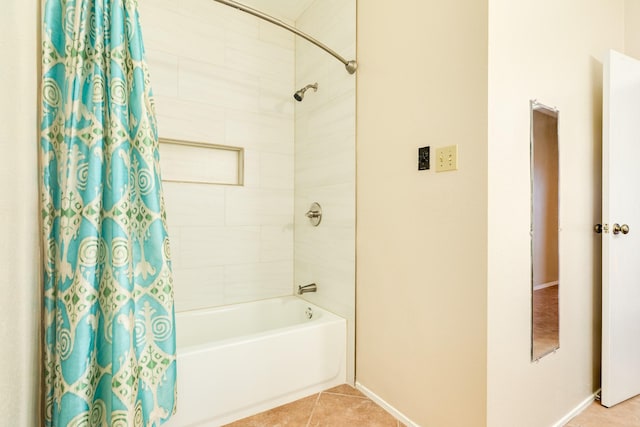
{"points": [[544, 230]]}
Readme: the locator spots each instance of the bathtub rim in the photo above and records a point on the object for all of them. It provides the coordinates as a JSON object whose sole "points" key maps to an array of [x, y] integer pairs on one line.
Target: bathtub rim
{"points": [[325, 318]]}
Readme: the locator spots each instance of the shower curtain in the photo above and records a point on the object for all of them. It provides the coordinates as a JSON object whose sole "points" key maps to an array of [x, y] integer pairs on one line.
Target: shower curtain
{"points": [[109, 337]]}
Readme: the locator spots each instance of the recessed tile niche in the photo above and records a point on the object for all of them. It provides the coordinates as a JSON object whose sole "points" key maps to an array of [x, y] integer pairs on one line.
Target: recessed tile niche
{"points": [[197, 162]]}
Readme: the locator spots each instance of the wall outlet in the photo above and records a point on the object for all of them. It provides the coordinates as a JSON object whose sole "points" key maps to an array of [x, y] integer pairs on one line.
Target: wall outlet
{"points": [[447, 158], [423, 158]]}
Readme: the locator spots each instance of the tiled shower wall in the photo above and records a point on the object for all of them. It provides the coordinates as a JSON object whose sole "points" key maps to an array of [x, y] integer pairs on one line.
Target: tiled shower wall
{"points": [[325, 162], [223, 77]]}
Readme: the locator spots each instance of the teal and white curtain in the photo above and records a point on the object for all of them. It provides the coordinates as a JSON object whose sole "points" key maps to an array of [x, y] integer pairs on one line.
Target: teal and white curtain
{"points": [[109, 350]]}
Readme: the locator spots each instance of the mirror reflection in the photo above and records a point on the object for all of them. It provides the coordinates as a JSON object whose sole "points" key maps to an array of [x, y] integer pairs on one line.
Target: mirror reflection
{"points": [[544, 230]]}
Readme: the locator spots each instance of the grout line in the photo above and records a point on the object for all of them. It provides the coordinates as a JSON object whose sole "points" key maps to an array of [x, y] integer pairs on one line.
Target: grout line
{"points": [[313, 409], [345, 394]]}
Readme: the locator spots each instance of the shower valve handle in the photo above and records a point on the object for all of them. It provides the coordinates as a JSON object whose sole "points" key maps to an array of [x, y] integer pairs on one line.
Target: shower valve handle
{"points": [[314, 214]]}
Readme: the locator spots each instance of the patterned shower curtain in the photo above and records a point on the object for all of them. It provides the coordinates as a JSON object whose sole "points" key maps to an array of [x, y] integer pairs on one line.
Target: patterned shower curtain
{"points": [[109, 350]]}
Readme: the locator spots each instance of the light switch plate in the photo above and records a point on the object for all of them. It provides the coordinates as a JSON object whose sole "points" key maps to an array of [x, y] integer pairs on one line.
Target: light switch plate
{"points": [[447, 158]]}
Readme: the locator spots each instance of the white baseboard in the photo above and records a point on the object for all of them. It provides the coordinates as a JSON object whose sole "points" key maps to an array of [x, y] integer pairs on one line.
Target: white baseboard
{"points": [[575, 411], [387, 407], [400, 416], [545, 285]]}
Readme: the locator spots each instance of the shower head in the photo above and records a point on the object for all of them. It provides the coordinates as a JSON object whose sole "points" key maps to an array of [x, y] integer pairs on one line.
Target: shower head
{"points": [[299, 95]]}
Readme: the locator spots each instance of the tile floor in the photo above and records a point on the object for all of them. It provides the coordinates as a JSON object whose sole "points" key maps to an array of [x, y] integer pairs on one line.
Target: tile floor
{"points": [[341, 406], [545, 321], [344, 406], [625, 414]]}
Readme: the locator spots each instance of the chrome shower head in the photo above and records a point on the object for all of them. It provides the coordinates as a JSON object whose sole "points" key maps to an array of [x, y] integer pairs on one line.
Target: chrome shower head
{"points": [[299, 95]]}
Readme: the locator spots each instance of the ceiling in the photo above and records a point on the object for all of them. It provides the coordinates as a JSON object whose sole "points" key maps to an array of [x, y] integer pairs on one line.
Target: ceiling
{"points": [[285, 10]]}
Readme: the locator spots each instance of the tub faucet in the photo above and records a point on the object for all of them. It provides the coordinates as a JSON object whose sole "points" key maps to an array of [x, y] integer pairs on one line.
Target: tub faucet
{"points": [[312, 287]]}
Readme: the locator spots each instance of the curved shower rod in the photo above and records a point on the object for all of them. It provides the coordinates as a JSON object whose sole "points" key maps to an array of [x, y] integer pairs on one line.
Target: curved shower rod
{"points": [[351, 66]]}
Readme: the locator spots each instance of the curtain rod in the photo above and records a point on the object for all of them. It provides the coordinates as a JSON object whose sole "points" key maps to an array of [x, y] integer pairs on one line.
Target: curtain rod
{"points": [[351, 66]]}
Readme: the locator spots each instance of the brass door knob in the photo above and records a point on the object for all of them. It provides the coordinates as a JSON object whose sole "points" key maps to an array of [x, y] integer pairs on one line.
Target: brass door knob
{"points": [[617, 228], [597, 228]]}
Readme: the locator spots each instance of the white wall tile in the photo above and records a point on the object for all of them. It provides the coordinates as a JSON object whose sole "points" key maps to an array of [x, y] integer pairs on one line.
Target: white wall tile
{"points": [[333, 21], [272, 34], [251, 169], [321, 165], [263, 132], [264, 280], [192, 205], [276, 244], [325, 163], [228, 21], [200, 40], [218, 246], [189, 120], [254, 207], [217, 85], [276, 98], [276, 171], [163, 68], [333, 117], [159, 27], [196, 288], [338, 205], [330, 248], [223, 77], [263, 58], [174, 245]]}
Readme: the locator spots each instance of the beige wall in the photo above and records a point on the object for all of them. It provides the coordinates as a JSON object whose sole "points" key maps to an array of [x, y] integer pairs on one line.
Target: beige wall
{"points": [[551, 51], [19, 278], [632, 28], [421, 333], [421, 236]]}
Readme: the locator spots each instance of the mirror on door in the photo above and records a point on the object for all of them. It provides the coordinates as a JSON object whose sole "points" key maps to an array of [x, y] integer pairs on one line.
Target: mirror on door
{"points": [[545, 334]]}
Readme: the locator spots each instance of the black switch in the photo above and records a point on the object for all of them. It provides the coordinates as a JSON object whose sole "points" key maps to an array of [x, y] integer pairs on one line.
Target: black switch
{"points": [[423, 158]]}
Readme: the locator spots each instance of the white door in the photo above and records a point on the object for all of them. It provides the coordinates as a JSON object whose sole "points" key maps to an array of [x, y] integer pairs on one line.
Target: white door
{"points": [[620, 251]]}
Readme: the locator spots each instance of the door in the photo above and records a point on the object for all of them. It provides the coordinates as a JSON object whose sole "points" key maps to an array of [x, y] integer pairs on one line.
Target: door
{"points": [[621, 245]]}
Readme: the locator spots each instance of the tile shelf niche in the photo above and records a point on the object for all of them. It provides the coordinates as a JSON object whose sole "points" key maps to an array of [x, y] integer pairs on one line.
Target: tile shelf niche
{"points": [[201, 162]]}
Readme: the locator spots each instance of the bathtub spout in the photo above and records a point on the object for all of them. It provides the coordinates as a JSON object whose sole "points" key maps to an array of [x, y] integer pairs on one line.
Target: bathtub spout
{"points": [[312, 287]]}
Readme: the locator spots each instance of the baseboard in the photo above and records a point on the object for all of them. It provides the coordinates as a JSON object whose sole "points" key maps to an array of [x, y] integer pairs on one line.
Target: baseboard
{"points": [[575, 411], [400, 416], [545, 285], [387, 407]]}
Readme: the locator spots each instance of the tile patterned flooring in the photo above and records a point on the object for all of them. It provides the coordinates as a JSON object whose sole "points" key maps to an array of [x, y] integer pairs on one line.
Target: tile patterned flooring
{"points": [[546, 331], [340, 406], [625, 414], [344, 406]]}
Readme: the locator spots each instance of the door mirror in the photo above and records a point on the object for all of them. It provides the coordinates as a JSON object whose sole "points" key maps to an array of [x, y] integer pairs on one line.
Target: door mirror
{"points": [[545, 285]]}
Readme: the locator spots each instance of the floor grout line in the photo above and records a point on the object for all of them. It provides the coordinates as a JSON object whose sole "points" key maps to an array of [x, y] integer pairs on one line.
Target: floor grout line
{"points": [[345, 395], [338, 409], [313, 409], [320, 416]]}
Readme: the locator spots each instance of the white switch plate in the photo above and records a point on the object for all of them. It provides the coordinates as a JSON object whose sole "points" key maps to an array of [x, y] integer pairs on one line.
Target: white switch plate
{"points": [[447, 158]]}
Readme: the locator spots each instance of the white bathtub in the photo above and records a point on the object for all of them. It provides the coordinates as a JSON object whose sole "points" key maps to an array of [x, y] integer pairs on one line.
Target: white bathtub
{"points": [[239, 360]]}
